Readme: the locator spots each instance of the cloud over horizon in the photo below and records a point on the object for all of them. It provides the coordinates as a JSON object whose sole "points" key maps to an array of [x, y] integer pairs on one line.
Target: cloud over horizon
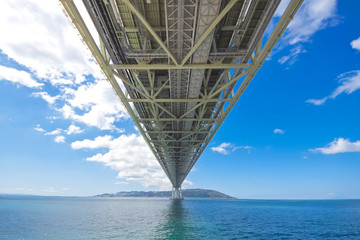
{"points": [[130, 156]]}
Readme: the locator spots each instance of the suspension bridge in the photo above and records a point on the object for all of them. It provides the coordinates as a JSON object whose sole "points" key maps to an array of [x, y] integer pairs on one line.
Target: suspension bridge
{"points": [[179, 66]]}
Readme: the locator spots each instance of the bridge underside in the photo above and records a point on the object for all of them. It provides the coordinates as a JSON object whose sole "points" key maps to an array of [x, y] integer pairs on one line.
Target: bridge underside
{"points": [[183, 64]]}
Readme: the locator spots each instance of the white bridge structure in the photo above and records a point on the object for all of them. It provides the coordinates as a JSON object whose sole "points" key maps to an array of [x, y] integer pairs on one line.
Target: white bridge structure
{"points": [[179, 66]]}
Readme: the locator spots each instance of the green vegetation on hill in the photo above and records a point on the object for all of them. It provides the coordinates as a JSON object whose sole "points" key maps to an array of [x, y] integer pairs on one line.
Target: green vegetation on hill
{"points": [[187, 193]]}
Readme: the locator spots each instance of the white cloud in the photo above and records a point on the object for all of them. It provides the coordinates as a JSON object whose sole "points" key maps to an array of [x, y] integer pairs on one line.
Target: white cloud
{"points": [[54, 132], [349, 83], [279, 131], [38, 128], [339, 145], [39, 36], [292, 57], [225, 148], [59, 139], [17, 76], [313, 16], [130, 155], [44, 95], [98, 142], [355, 44], [248, 148], [222, 148], [73, 129], [242, 147], [121, 183], [101, 106], [317, 102]]}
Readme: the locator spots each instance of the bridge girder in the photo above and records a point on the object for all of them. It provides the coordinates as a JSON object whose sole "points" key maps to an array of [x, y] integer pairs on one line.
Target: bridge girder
{"points": [[177, 139]]}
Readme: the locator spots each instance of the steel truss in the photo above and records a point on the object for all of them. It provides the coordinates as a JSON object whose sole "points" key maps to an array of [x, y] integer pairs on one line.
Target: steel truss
{"points": [[179, 114]]}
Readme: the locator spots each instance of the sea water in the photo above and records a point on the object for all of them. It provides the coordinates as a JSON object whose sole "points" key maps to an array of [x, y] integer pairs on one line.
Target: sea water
{"points": [[150, 218]]}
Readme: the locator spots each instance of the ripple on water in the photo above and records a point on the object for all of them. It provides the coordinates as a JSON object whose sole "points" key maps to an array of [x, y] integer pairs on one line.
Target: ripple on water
{"points": [[136, 218]]}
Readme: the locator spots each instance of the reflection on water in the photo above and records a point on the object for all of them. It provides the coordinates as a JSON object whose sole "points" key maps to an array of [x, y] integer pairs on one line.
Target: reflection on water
{"points": [[175, 221]]}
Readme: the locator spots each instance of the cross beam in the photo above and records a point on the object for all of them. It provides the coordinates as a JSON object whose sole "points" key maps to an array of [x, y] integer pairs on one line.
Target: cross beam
{"points": [[178, 67]]}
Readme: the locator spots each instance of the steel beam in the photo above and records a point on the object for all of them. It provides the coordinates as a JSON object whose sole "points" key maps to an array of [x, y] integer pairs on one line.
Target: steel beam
{"points": [[180, 131], [178, 67], [170, 100], [177, 119]]}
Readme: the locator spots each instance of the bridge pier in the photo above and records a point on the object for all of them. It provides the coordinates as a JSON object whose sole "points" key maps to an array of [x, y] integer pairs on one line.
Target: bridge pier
{"points": [[176, 194]]}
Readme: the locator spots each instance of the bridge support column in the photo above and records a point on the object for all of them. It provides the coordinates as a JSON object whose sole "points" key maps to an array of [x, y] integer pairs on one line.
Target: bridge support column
{"points": [[176, 194]]}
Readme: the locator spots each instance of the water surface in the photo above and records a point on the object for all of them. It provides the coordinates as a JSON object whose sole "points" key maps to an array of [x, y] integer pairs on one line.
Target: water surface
{"points": [[151, 218]]}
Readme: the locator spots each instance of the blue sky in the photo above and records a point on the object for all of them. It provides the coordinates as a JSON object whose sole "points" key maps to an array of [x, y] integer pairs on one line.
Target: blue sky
{"points": [[293, 134]]}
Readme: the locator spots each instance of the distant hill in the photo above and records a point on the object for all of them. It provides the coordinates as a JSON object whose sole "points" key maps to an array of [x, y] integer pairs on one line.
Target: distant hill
{"points": [[187, 193]]}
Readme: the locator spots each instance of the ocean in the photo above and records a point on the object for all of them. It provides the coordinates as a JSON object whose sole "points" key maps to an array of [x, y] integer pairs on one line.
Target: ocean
{"points": [[138, 218]]}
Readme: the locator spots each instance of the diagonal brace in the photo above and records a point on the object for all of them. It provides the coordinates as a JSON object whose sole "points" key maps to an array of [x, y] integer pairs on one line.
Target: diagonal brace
{"points": [[149, 28], [209, 30]]}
